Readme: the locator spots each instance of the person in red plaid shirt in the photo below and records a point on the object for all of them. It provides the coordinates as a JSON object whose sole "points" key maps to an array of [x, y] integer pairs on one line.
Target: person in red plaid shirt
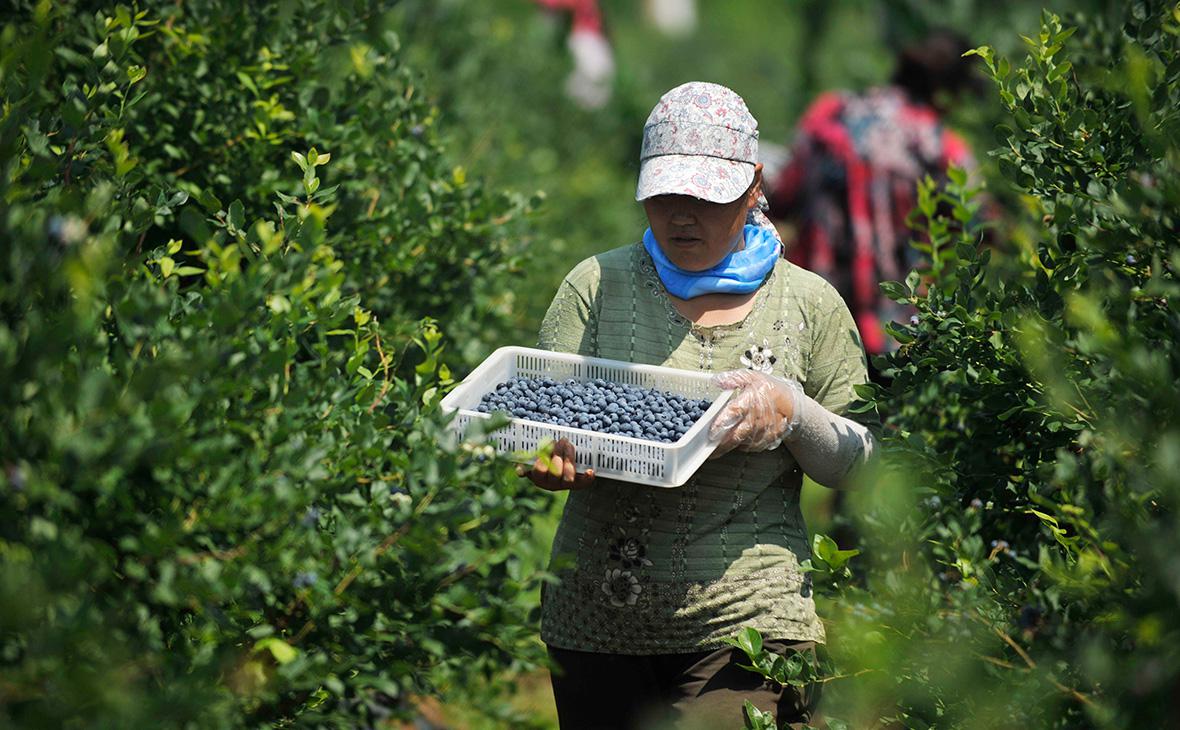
{"points": [[852, 174]]}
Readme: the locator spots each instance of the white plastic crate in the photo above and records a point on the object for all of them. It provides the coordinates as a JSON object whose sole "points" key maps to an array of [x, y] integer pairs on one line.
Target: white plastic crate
{"points": [[610, 455]]}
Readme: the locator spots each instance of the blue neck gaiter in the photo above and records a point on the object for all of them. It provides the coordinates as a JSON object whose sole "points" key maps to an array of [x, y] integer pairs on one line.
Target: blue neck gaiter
{"points": [[741, 272]]}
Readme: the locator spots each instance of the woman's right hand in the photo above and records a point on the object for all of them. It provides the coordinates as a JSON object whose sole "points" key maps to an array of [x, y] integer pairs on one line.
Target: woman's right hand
{"points": [[763, 411], [557, 472]]}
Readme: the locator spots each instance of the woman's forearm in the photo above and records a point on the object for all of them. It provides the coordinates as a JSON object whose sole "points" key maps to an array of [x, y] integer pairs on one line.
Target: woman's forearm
{"points": [[828, 447]]}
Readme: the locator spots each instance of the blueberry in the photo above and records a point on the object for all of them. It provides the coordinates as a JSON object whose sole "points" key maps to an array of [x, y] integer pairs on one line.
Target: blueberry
{"points": [[310, 517], [305, 579], [1030, 617], [16, 477]]}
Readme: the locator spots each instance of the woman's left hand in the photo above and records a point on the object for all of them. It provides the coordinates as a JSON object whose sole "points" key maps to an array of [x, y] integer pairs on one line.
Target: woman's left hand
{"points": [[556, 471], [759, 415]]}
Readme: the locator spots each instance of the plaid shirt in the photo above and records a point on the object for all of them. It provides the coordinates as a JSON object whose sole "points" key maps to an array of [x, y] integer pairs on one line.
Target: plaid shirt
{"points": [[849, 186]]}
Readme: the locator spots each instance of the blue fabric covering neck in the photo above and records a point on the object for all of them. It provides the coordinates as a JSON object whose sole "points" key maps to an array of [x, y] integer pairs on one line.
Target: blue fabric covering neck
{"points": [[741, 272]]}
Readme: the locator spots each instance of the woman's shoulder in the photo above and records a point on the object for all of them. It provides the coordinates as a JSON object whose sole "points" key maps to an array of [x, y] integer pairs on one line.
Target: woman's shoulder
{"points": [[590, 272], [801, 283]]}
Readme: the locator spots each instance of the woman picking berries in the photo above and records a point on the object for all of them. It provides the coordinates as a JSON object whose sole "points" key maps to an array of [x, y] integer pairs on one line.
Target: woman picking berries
{"points": [[659, 578]]}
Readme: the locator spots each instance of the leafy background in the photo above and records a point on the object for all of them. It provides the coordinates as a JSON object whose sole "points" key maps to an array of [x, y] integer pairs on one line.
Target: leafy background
{"points": [[244, 248]]}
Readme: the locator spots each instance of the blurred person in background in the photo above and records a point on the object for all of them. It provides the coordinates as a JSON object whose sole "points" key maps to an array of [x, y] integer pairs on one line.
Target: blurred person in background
{"points": [[852, 175], [674, 18], [590, 82]]}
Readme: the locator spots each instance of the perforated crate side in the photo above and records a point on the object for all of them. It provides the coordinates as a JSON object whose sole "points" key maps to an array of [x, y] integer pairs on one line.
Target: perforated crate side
{"points": [[610, 455]]}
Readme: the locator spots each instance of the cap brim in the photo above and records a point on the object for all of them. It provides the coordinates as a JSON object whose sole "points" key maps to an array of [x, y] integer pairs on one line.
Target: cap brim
{"points": [[707, 178]]}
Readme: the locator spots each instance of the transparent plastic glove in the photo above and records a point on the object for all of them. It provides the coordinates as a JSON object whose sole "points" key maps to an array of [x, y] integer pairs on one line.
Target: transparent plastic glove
{"points": [[763, 411]]}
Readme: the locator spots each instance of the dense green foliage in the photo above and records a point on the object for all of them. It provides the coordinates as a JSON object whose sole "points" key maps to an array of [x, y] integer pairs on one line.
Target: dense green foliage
{"points": [[224, 94], [228, 497], [1021, 538]]}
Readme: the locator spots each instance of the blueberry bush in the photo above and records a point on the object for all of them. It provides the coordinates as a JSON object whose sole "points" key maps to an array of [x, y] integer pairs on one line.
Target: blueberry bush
{"points": [[225, 91], [1019, 537], [228, 497]]}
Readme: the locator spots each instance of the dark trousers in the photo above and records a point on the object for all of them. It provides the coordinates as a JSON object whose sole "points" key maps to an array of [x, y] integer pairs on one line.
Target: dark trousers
{"points": [[701, 690]]}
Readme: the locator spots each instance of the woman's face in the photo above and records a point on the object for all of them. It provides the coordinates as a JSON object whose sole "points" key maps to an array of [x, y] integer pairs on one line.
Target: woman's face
{"points": [[695, 234]]}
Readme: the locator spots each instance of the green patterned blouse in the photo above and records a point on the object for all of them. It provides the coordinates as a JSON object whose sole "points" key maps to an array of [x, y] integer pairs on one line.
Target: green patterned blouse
{"points": [[651, 570]]}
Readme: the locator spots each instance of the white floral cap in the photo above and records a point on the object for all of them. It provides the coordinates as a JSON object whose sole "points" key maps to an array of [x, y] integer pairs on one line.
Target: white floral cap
{"points": [[699, 140]]}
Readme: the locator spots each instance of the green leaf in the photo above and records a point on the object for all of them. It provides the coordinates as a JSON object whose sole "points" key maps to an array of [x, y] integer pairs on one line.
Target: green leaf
{"points": [[282, 652], [1009, 413], [826, 550], [865, 391], [326, 192], [209, 201], [757, 719], [1059, 71], [1044, 517], [779, 669], [236, 216], [1065, 35], [247, 82], [894, 291], [750, 641], [823, 547]]}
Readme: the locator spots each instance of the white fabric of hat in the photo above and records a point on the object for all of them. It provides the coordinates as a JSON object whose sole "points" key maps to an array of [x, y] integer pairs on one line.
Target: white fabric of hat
{"points": [[699, 140]]}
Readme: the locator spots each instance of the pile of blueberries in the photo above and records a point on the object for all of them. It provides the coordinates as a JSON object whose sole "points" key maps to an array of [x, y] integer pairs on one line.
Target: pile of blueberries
{"points": [[597, 405]]}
